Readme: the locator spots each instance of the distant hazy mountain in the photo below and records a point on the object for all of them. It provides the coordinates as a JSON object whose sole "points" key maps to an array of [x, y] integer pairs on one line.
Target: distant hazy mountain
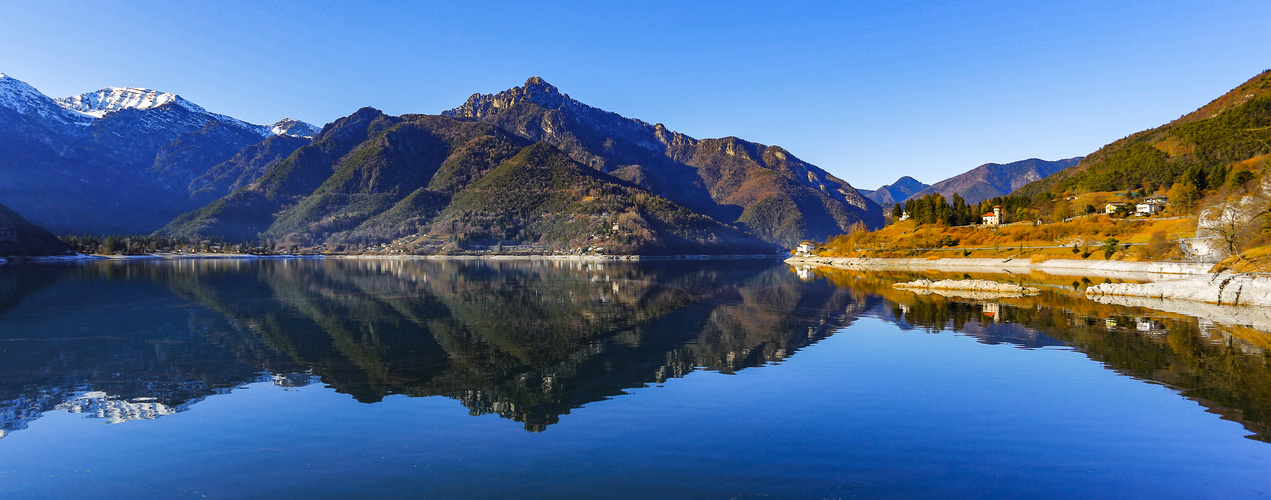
{"points": [[764, 190], [19, 236], [991, 180], [119, 159], [896, 192], [370, 177]]}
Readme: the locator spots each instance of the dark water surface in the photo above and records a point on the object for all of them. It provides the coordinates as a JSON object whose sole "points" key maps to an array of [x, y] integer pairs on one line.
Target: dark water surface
{"points": [[543, 379]]}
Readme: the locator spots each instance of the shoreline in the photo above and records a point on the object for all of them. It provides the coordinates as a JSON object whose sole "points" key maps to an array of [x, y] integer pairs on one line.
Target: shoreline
{"points": [[1166, 282], [247, 256], [1145, 271]]}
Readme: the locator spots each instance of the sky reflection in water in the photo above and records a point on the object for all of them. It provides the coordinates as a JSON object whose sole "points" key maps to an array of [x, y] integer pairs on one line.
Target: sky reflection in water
{"points": [[707, 379]]}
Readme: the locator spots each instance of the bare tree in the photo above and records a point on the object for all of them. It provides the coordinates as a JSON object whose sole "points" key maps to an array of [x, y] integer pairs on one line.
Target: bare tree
{"points": [[1235, 222]]}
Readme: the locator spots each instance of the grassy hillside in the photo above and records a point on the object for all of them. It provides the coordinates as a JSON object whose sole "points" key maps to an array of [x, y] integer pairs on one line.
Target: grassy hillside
{"points": [[1197, 148]]}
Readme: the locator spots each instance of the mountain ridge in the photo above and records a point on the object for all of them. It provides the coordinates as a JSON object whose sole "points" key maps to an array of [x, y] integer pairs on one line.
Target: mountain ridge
{"points": [[729, 179], [117, 160], [992, 180]]}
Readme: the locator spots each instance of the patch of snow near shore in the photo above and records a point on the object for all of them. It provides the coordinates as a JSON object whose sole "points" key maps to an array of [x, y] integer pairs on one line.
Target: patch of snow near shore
{"points": [[1229, 289]]}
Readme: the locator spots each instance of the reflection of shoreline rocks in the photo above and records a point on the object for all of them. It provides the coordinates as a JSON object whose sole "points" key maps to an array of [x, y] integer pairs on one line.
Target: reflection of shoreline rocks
{"points": [[1233, 289], [969, 288], [1255, 317]]}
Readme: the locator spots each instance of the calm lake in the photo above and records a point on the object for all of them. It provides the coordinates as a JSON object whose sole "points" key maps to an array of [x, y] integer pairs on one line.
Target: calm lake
{"points": [[554, 379]]}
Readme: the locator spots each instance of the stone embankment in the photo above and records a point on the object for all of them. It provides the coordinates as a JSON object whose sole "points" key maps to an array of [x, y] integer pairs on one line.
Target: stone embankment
{"points": [[1143, 271], [1224, 289], [1052, 266], [973, 289]]}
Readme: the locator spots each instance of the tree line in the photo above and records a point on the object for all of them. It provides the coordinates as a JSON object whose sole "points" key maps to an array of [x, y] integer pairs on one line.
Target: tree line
{"points": [[935, 209]]}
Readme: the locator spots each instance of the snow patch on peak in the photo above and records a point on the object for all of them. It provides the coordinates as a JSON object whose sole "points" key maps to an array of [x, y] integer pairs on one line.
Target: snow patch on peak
{"points": [[21, 97], [111, 99], [294, 128]]}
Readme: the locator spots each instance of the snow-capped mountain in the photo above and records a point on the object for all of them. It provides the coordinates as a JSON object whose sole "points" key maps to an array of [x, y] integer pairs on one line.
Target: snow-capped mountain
{"points": [[119, 159], [18, 96], [84, 109], [97, 104], [294, 128]]}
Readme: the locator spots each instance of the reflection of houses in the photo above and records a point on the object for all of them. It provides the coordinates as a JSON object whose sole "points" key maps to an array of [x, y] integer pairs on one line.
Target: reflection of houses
{"points": [[1149, 327], [993, 310], [805, 272], [1112, 206], [994, 218]]}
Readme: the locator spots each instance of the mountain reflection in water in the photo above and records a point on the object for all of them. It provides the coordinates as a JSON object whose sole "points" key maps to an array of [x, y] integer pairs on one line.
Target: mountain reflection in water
{"points": [[528, 340]]}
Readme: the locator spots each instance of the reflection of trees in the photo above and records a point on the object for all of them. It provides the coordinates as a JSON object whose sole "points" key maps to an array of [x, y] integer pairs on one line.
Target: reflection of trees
{"points": [[528, 340], [71, 329], [1224, 368]]}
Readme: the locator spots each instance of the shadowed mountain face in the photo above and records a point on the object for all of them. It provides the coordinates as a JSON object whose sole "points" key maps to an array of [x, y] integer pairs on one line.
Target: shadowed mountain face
{"points": [[19, 236], [119, 160], [991, 180], [765, 190]]}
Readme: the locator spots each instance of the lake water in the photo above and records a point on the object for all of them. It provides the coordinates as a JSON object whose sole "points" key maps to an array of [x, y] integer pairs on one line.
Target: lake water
{"points": [[550, 379]]}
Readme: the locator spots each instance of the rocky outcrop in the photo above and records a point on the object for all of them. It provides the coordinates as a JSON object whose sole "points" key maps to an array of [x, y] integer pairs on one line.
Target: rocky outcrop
{"points": [[978, 289], [1229, 289]]}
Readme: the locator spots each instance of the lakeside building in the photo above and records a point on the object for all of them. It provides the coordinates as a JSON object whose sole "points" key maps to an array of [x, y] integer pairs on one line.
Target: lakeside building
{"points": [[994, 218]]}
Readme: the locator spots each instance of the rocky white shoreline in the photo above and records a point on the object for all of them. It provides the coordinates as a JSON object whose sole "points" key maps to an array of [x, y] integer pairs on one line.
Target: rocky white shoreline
{"points": [[975, 286], [1145, 271], [1223, 289], [1169, 284]]}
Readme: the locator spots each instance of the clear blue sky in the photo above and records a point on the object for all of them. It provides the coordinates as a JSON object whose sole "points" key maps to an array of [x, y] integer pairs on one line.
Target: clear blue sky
{"points": [[869, 93]]}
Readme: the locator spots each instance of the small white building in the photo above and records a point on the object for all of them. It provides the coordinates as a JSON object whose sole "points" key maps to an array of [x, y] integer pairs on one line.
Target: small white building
{"points": [[994, 218], [1148, 208], [804, 249]]}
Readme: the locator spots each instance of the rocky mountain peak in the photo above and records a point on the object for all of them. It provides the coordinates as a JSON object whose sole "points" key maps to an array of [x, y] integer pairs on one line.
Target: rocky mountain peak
{"points": [[111, 99], [294, 128], [536, 91], [24, 99]]}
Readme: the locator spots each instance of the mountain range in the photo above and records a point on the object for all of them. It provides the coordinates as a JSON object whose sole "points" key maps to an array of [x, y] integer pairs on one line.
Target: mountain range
{"points": [[984, 182], [116, 160], [895, 192], [991, 180], [129, 160]]}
